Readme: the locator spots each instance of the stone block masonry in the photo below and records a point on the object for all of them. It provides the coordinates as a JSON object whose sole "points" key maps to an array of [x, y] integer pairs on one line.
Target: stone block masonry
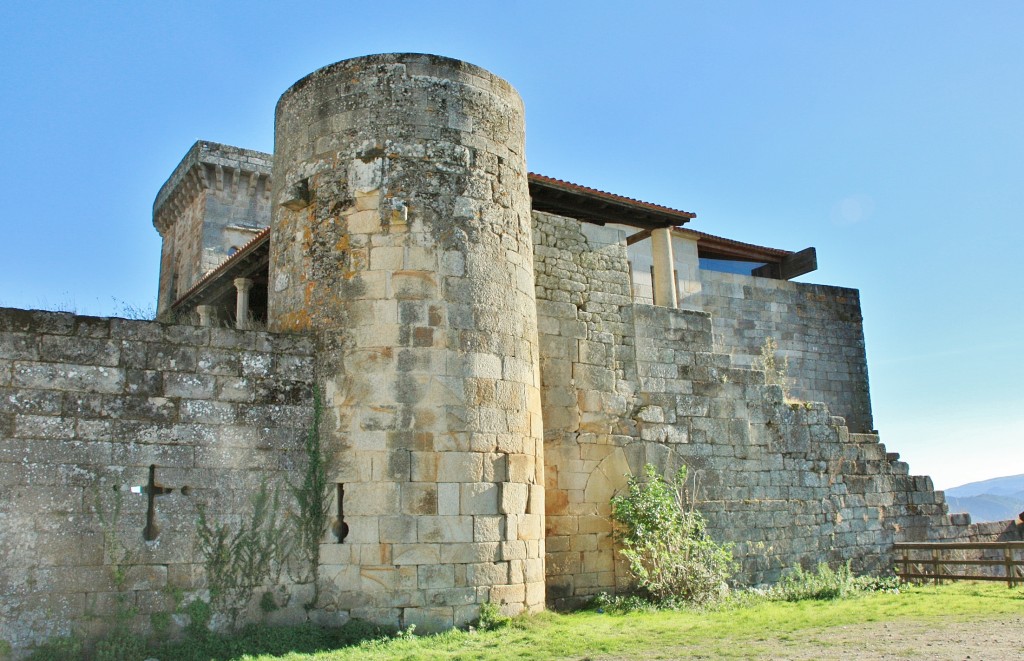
{"points": [[487, 384], [88, 407], [624, 385], [401, 235], [818, 329]]}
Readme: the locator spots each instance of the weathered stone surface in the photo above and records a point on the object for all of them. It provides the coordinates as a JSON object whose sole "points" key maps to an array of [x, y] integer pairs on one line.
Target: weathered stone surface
{"points": [[763, 471], [73, 424], [488, 378], [398, 243]]}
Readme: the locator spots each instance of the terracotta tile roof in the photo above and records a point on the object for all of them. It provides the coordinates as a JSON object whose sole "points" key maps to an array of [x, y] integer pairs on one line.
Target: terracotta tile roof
{"points": [[251, 245], [753, 247], [577, 188]]}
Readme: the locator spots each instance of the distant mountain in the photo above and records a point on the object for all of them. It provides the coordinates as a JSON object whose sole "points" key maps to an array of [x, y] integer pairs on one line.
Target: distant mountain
{"points": [[987, 507], [998, 486], [997, 499]]}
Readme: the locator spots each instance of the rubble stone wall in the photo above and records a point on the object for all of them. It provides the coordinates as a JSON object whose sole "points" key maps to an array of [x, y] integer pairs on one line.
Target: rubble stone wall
{"points": [[624, 385], [588, 394], [818, 329], [87, 406]]}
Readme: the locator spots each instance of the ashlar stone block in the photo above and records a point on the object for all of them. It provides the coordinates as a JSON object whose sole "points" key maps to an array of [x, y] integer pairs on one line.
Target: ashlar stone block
{"points": [[459, 467], [445, 528], [372, 498], [479, 498], [435, 576], [514, 497]]}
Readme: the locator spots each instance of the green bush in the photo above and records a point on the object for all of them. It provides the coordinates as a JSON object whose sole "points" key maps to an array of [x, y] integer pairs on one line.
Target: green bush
{"points": [[58, 649], [491, 617], [120, 645], [823, 583], [620, 604], [889, 584], [666, 543]]}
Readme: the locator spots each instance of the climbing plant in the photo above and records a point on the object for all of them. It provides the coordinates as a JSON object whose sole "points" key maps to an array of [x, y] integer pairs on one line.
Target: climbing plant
{"points": [[254, 552], [108, 504], [238, 561], [312, 500], [775, 367]]}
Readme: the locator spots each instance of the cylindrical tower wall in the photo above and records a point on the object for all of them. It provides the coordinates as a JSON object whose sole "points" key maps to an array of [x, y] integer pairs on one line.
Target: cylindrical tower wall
{"points": [[401, 234]]}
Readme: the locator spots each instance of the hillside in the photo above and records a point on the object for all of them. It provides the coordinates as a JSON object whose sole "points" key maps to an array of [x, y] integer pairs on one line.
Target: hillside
{"points": [[1011, 485], [997, 499]]}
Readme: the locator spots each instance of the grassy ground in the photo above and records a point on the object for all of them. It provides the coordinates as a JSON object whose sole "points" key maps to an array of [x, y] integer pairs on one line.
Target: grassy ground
{"points": [[808, 629]]}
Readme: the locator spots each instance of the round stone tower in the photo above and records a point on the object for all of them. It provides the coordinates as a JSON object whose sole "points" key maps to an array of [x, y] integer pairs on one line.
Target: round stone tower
{"points": [[401, 236]]}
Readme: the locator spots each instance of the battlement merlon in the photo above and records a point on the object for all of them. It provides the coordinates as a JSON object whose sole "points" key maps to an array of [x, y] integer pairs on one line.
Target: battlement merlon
{"points": [[190, 176]]}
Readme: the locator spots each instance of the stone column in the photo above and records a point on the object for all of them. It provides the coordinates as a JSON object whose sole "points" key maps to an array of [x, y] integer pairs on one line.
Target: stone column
{"points": [[402, 236], [242, 287], [207, 314], [687, 266], [664, 272]]}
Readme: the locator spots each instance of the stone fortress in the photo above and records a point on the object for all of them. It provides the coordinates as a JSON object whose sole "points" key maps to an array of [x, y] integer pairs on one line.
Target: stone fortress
{"points": [[493, 351]]}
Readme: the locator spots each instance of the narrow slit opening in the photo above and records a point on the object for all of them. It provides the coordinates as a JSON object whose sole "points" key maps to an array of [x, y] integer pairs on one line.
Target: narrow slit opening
{"points": [[340, 527]]}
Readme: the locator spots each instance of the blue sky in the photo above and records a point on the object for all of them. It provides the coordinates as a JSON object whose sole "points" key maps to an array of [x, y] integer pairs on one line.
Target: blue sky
{"points": [[887, 135]]}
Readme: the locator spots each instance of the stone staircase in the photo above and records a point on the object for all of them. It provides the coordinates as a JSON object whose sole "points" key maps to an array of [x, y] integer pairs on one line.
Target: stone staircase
{"points": [[911, 499]]}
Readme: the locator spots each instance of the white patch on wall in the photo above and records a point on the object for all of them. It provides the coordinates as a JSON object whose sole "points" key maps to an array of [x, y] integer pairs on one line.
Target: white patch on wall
{"points": [[364, 177]]}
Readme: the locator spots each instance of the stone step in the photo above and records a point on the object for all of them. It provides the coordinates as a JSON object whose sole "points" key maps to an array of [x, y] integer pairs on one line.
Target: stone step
{"points": [[960, 519]]}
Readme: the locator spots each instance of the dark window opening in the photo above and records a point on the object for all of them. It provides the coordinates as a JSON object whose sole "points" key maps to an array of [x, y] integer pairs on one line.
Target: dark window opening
{"points": [[729, 265]]}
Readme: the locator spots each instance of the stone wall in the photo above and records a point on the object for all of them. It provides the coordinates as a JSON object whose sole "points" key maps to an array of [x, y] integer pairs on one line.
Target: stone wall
{"points": [[788, 483], [588, 395], [819, 330], [996, 531], [181, 252], [87, 406], [624, 385]]}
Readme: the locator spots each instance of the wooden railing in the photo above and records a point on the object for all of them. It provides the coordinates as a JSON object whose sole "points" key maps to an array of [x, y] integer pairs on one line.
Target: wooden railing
{"points": [[956, 561]]}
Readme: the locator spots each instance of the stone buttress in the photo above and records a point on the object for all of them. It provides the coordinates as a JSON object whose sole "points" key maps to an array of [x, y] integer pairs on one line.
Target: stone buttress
{"points": [[401, 236]]}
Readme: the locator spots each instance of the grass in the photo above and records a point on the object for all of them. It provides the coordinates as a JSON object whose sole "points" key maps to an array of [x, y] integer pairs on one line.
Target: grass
{"points": [[917, 622], [726, 632]]}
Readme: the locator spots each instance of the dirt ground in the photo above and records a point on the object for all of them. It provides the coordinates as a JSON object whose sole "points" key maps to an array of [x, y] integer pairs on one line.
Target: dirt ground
{"points": [[983, 639], [995, 639]]}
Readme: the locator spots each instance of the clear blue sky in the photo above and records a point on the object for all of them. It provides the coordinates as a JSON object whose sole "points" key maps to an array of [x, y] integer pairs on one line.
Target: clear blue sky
{"points": [[888, 135]]}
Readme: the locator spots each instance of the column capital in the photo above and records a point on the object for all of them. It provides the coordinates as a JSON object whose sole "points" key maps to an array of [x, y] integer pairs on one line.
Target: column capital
{"points": [[207, 313]]}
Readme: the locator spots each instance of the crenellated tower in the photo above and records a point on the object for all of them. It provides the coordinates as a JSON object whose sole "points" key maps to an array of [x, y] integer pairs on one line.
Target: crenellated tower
{"points": [[216, 200]]}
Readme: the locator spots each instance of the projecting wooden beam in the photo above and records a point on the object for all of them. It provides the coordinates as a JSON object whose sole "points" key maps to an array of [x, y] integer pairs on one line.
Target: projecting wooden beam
{"points": [[791, 266], [638, 237]]}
